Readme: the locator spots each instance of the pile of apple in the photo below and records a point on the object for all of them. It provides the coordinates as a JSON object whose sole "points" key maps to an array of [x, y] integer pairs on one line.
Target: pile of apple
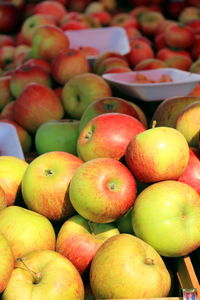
{"points": [[111, 195]]}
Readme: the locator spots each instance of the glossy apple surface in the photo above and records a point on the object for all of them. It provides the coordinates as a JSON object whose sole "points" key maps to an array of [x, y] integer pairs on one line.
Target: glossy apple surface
{"points": [[137, 261], [102, 190], [26, 230], [166, 215], [45, 184], [78, 240], [44, 274]]}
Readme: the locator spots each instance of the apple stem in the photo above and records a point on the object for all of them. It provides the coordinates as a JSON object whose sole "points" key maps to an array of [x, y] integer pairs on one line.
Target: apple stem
{"points": [[149, 261], [154, 123], [91, 225], [36, 275]]}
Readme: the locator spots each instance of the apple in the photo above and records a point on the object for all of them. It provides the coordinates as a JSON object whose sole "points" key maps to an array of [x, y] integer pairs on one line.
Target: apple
{"points": [[111, 62], [59, 135], [102, 190], [78, 240], [141, 114], [6, 40], [99, 59], [26, 230], [180, 62], [149, 64], [188, 14], [77, 5], [50, 8], [107, 135], [42, 63], [12, 170], [45, 184], [81, 90], [30, 24], [125, 20], [6, 261], [103, 17], [195, 66], [7, 57], [195, 50], [195, 91], [166, 215], [21, 54], [36, 105], [150, 21], [180, 36], [44, 274], [191, 175], [168, 110], [188, 123], [24, 137], [163, 149], [139, 50], [166, 53], [23, 75], [47, 41], [10, 17], [123, 266], [124, 223], [7, 111], [108, 105], [67, 64], [3, 202], [6, 95]]}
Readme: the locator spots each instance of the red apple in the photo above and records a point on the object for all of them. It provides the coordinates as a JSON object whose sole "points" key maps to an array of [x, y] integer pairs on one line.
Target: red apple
{"points": [[191, 175], [45, 185], [180, 62], [23, 75], [68, 63], [42, 63], [180, 36], [107, 129], [6, 40], [150, 63], [102, 190], [7, 111], [10, 17], [124, 20], [149, 148], [150, 22], [139, 51], [78, 240], [6, 95], [37, 104], [47, 41], [7, 57], [167, 52], [111, 62], [50, 8]]}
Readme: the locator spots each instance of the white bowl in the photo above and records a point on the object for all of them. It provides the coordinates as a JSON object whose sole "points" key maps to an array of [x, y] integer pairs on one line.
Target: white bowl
{"points": [[9, 141], [182, 84], [103, 39]]}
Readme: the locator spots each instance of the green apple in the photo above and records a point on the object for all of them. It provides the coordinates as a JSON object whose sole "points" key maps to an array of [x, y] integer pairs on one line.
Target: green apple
{"points": [[45, 275], [124, 223], [12, 170], [6, 262], [56, 135], [26, 230], [81, 90], [125, 267], [45, 184], [166, 215], [78, 240]]}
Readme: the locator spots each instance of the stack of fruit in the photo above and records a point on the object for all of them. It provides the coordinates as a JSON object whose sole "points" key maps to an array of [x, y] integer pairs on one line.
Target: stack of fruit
{"points": [[112, 193]]}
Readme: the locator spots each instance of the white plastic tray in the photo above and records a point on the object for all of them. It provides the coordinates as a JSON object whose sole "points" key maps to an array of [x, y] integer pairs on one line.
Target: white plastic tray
{"points": [[182, 84], [9, 141], [103, 39]]}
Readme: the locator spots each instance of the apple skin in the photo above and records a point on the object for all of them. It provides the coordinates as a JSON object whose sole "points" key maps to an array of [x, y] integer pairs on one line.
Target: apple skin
{"points": [[55, 278], [106, 192], [53, 170], [128, 255], [188, 123], [67, 64], [30, 24], [166, 215], [59, 135], [7, 111], [149, 148], [124, 223], [10, 16], [168, 110], [47, 41], [108, 105], [191, 175], [150, 22], [104, 130], [6, 95], [26, 230], [180, 36], [36, 98], [81, 90], [3, 202], [6, 261], [23, 75], [12, 170], [78, 240]]}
